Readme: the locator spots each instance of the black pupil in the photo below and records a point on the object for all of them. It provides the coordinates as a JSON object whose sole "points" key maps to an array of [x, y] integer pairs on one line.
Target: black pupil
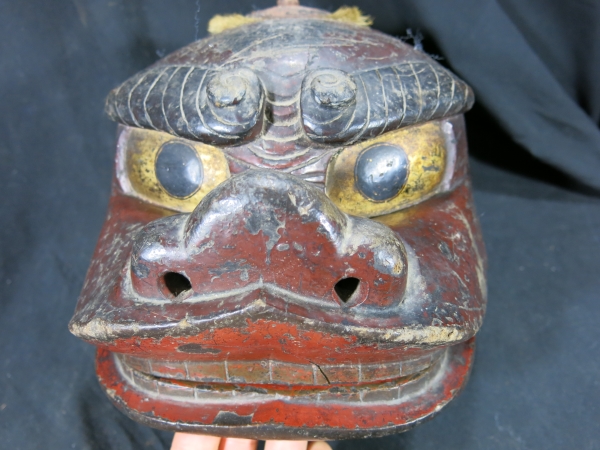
{"points": [[381, 171], [178, 169]]}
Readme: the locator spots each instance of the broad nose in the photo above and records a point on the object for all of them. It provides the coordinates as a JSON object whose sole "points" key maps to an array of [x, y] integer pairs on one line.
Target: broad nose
{"points": [[269, 230]]}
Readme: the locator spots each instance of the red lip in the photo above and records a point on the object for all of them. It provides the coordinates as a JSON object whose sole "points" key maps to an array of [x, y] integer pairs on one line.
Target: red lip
{"points": [[268, 312], [161, 344], [331, 413]]}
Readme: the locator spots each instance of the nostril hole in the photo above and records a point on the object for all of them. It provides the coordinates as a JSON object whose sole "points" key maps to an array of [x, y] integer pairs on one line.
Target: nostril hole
{"points": [[176, 283], [346, 287]]}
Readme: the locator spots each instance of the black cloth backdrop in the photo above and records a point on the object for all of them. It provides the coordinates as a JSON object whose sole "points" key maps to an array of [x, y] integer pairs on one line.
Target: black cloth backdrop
{"points": [[534, 66]]}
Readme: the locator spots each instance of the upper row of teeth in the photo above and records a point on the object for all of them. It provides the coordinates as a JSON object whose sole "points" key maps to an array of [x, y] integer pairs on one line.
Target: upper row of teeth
{"points": [[277, 372], [384, 392]]}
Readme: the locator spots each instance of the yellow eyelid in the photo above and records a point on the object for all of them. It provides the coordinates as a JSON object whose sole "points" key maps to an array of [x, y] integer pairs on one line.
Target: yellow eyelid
{"points": [[425, 147], [136, 169]]}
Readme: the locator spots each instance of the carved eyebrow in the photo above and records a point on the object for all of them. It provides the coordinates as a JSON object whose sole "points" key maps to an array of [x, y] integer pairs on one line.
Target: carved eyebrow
{"points": [[379, 100], [212, 106], [174, 99]]}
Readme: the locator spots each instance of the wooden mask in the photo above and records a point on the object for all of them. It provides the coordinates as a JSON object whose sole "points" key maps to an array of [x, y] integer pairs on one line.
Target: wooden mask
{"points": [[291, 249]]}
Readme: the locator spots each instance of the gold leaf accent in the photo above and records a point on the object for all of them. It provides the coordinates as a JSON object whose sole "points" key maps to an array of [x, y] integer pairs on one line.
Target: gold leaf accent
{"points": [[425, 147]]}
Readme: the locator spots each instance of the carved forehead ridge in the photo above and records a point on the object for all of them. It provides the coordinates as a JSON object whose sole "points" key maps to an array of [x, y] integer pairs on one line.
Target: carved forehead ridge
{"points": [[388, 84]]}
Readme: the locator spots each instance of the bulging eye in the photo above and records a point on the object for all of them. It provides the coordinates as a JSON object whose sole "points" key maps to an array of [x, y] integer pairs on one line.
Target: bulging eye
{"points": [[390, 172], [168, 171], [381, 171], [178, 169]]}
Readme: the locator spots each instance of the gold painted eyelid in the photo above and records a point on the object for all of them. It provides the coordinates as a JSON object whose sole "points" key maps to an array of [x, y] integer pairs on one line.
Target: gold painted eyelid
{"points": [[425, 147], [139, 149]]}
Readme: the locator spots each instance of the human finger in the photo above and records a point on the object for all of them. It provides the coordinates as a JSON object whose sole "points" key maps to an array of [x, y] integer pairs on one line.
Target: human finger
{"points": [[238, 444], [319, 445], [286, 445], [187, 441]]}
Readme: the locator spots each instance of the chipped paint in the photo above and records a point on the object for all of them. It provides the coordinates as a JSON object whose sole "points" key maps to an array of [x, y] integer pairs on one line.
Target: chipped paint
{"points": [[282, 302]]}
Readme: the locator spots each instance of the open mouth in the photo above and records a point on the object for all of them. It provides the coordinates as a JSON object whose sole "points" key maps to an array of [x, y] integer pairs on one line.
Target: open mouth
{"points": [[279, 400], [191, 381], [274, 347]]}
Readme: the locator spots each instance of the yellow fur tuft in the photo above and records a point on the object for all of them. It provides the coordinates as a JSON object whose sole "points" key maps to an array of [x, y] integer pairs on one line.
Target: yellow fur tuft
{"points": [[352, 14], [220, 23], [348, 14]]}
